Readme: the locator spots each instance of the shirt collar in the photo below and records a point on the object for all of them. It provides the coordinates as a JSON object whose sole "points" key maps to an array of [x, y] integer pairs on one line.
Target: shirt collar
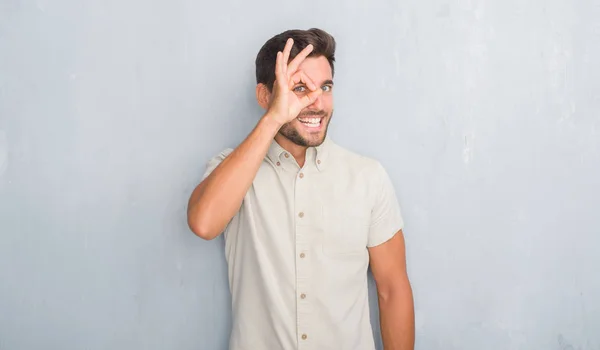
{"points": [[318, 155]]}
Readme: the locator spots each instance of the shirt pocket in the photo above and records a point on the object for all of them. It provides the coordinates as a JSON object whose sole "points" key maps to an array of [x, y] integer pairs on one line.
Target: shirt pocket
{"points": [[346, 229]]}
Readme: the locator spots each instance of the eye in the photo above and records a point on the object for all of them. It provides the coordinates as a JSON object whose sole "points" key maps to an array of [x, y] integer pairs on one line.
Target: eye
{"points": [[327, 88], [300, 88]]}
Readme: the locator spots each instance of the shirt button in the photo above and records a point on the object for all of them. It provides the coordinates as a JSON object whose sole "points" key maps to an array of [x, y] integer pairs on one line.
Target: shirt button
{"points": [[278, 164], [301, 214], [302, 296], [287, 155], [302, 255], [304, 336], [318, 161], [301, 175]]}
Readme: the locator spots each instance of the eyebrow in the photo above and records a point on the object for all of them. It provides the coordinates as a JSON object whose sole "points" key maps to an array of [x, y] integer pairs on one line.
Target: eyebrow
{"points": [[326, 82]]}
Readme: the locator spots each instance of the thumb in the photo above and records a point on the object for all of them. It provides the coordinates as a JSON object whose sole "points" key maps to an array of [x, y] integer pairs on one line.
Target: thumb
{"points": [[311, 97]]}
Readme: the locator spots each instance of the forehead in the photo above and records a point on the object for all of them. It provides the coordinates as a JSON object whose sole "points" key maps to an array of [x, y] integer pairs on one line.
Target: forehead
{"points": [[317, 69]]}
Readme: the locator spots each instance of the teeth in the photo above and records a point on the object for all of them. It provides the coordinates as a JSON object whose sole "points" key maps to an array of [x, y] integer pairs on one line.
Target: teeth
{"points": [[310, 120]]}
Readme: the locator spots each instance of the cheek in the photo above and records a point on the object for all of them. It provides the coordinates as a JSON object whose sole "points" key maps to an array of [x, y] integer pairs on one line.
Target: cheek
{"points": [[294, 124]]}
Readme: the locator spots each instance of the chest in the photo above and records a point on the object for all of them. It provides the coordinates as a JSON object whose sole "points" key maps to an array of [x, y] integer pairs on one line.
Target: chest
{"points": [[329, 208]]}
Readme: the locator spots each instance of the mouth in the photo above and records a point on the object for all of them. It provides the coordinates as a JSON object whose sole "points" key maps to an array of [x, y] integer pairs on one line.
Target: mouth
{"points": [[311, 122]]}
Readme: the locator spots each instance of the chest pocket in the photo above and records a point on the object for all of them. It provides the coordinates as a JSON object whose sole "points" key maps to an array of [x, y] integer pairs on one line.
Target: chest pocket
{"points": [[346, 226]]}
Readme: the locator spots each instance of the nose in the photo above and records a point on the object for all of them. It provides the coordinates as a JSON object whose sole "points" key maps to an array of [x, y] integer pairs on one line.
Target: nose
{"points": [[318, 104]]}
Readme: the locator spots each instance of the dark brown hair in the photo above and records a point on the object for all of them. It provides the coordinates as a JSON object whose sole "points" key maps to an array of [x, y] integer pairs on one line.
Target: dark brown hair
{"points": [[323, 45]]}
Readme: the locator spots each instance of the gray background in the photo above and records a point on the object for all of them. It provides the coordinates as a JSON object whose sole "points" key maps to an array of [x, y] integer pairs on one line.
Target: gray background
{"points": [[485, 113]]}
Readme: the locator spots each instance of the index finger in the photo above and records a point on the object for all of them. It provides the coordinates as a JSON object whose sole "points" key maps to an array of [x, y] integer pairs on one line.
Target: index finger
{"points": [[300, 77], [293, 66], [286, 53]]}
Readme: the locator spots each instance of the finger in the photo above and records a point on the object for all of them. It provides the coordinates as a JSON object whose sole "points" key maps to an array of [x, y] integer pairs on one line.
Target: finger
{"points": [[310, 98], [295, 79], [278, 63], [308, 81], [301, 77], [286, 53], [279, 73], [293, 66]]}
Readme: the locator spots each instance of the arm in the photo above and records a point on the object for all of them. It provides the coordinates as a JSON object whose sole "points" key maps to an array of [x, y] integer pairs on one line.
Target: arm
{"points": [[218, 197], [215, 201], [396, 307]]}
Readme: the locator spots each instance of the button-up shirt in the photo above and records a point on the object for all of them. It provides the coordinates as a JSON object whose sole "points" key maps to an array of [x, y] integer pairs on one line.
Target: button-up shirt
{"points": [[297, 249]]}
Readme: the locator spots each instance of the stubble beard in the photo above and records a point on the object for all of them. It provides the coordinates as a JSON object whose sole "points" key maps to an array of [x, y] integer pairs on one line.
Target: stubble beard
{"points": [[291, 133]]}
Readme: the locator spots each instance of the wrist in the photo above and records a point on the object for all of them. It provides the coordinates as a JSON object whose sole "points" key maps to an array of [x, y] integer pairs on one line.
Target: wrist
{"points": [[271, 121]]}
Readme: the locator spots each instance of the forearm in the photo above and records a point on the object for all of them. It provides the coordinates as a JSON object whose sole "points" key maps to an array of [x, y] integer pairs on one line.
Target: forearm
{"points": [[397, 318], [216, 200]]}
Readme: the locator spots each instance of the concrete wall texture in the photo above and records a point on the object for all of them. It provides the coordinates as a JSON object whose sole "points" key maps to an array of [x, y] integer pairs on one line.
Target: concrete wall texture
{"points": [[485, 113]]}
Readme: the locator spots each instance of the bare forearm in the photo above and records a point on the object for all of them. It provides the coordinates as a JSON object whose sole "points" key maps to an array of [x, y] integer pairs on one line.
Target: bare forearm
{"points": [[216, 200], [397, 318]]}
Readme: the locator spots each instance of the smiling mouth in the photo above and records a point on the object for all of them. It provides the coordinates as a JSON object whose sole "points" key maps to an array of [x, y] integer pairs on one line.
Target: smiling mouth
{"points": [[311, 122]]}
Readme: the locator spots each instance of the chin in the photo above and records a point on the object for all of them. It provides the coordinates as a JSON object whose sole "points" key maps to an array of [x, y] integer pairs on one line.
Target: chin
{"points": [[314, 142], [306, 139], [308, 132]]}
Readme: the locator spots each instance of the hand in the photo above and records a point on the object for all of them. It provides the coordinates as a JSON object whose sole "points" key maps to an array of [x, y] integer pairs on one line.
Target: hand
{"points": [[285, 104]]}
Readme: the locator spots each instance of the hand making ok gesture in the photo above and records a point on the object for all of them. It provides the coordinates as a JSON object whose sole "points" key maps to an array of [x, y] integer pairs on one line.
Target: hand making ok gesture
{"points": [[285, 104]]}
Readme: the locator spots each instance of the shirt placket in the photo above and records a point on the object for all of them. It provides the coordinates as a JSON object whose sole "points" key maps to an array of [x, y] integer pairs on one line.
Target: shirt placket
{"points": [[303, 258]]}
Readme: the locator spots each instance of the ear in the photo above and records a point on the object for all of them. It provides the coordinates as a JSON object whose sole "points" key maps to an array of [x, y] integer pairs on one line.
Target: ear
{"points": [[263, 96]]}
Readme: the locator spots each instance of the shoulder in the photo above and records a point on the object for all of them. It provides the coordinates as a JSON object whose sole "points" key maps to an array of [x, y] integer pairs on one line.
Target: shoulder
{"points": [[357, 163], [215, 161], [222, 154], [363, 176], [219, 157]]}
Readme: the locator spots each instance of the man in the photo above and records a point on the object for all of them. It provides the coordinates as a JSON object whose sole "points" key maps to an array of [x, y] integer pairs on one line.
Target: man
{"points": [[303, 217]]}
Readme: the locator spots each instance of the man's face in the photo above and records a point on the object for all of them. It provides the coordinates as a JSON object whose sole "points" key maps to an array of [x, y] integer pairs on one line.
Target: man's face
{"points": [[310, 127]]}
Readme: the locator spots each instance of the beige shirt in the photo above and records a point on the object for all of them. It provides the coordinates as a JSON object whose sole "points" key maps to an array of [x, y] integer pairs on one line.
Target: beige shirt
{"points": [[297, 250]]}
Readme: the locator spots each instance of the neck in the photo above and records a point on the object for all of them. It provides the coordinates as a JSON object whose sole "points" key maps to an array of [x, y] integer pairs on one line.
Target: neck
{"points": [[297, 151]]}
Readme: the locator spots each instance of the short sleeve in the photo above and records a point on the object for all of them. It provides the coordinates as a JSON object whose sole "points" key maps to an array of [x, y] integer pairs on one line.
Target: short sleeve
{"points": [[386, 216], [215, 161]]}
